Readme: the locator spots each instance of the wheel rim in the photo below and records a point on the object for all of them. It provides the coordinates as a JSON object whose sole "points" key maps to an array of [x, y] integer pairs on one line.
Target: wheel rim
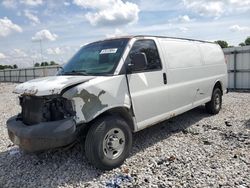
{"points": [[217, 101], [113, 143]]}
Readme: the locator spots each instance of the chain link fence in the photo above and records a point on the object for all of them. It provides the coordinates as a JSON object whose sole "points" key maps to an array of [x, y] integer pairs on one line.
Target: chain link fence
{"points": [[23, 75]]}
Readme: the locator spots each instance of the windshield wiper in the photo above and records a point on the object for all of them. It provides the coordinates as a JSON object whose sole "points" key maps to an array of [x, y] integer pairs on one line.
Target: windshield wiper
{"points": [[74, 72]]}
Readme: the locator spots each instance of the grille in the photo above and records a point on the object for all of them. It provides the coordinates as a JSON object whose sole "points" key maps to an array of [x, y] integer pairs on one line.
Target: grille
{"points": [[32, 110]]}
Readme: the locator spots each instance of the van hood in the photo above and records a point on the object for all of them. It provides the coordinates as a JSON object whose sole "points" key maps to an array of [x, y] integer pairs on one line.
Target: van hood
{"points": [[51, 85]]}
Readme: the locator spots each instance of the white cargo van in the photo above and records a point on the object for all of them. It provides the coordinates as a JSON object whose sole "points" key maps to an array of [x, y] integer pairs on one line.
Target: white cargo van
{"points": [[114, 87]]}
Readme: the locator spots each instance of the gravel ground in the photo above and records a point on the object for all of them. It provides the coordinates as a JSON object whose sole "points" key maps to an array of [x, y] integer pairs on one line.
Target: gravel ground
{"points": [[191, 150]]}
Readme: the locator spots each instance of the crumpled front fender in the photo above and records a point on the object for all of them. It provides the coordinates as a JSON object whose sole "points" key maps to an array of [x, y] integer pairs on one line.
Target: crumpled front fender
{"points": [[97, 96]]}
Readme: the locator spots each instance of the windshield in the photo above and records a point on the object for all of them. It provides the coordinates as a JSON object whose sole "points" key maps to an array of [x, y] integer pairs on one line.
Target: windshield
{"points": [[98, 58]]}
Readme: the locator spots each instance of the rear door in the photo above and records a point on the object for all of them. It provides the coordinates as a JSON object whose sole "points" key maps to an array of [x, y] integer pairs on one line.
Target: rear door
{"points": [[148, 86]]}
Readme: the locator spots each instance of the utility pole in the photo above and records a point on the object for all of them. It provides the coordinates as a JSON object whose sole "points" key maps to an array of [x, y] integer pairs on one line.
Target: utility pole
{"points": [[41, 49]]}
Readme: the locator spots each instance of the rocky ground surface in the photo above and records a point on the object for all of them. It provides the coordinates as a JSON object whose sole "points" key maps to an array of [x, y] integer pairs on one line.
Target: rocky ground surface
{"points": [[192, 150]]}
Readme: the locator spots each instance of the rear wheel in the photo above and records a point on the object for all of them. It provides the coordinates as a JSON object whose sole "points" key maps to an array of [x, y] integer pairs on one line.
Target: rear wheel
{"points": [[214, 106], [108, 142]]}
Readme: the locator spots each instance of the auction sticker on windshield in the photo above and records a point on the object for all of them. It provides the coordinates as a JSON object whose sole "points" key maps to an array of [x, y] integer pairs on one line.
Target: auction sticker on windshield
{"points": [[109, 51]]}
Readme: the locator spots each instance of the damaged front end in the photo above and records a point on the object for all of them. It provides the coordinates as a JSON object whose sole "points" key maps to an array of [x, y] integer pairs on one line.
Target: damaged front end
{"points": [[44, 109], [47, 119], [45, 122]]}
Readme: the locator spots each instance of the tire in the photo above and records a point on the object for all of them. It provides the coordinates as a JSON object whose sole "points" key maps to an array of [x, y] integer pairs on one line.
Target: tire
{"points": [[108, 142], [214, 106]]}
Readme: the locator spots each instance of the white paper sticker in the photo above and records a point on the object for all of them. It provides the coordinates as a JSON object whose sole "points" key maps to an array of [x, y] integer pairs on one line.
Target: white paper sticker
{"points": [[109, 51]]}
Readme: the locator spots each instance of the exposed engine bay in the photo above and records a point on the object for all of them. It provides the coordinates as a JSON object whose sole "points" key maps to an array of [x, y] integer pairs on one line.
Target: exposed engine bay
{"points": [[44, 109]]}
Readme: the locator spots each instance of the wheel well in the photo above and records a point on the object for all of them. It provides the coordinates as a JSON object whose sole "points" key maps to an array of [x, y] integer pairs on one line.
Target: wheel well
{"points": [[218, 85], [124, 113]]}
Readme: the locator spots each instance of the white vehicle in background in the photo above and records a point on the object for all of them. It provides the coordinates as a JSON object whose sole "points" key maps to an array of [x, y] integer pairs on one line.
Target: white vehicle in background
{"points": [[115, 87]]}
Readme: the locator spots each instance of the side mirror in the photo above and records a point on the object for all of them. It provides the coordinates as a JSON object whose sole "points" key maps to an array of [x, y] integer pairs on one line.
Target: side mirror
{"points": [[138, 62], [60, 70]]}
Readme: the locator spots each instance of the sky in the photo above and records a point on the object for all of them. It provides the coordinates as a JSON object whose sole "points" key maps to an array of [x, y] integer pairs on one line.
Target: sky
{"points": [[53, 30]]}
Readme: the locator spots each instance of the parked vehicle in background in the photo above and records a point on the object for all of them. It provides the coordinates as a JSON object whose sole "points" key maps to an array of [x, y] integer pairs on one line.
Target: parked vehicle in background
{"points": [[114, 87]]}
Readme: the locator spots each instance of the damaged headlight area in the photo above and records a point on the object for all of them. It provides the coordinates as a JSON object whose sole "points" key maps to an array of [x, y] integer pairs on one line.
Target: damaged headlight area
{"points": [[44, 109]]}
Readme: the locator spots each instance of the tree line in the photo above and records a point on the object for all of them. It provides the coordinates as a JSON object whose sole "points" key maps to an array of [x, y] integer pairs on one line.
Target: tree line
{"points": [[42, 64], [8, 67], [45, 63], [224, 44]]}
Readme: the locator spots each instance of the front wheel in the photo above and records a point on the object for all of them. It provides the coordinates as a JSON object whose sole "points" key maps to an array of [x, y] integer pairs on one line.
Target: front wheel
{"points": [[108, 142], [214, 106]]}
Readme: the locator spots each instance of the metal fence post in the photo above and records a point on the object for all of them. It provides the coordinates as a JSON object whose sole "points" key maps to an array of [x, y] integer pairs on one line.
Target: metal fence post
{"points": [[4, 75], [25, 74], [19, 75], [43, 72], [235, 68], [34, 75]]}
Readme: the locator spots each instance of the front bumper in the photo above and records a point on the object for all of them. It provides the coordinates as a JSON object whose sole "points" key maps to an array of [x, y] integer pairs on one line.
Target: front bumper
{"points": [[42, 136]]}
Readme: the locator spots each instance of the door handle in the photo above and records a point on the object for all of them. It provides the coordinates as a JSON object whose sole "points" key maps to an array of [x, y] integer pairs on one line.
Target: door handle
{"points": [[165, 78]]}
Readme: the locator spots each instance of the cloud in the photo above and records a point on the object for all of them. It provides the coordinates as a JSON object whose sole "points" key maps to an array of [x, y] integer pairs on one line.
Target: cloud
{"points": [[183, 29], [44, 35], [14, 54], [116, 33], [182, 19], [38, 57], [2, 56], [31, 16], [95, 4], [237, 28], [66, 3], [32, 2], [159, 5], [238, 5], [9, 3], [62, 50], [215, 8], [54, 51], [15, 3], [7, 27], [109, 12], [18, 53], [240, 2]]}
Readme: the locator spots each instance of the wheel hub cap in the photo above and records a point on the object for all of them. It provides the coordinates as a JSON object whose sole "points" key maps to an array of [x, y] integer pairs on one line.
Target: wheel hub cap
{"points": [[113, 143], [217, 101]]}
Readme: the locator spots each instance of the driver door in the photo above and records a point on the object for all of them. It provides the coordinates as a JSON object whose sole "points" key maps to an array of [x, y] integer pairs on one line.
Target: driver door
{"points": [[148, 87]]}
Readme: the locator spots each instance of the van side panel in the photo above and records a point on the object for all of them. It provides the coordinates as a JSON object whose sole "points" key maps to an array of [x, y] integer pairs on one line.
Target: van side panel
{"points": [[182, 54], [212, 54], [214, 63], [184, 68], [185, 73], [192, 68]]}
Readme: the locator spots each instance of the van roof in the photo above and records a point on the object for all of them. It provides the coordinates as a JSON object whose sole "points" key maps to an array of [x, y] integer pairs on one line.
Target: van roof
{"points": [[173, 38], [134, 36]]}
